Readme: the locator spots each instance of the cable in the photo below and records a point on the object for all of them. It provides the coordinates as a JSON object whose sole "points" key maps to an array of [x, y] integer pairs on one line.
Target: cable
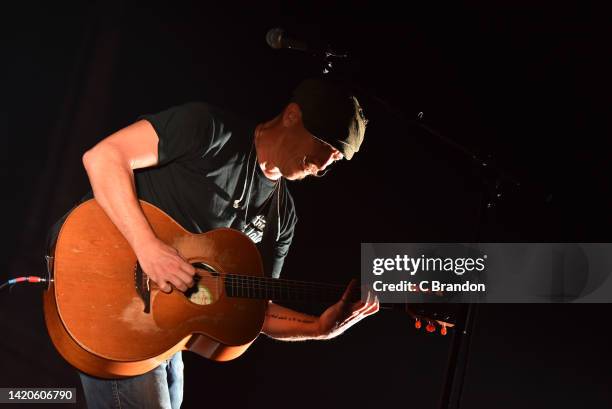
{"points": [[29, 279]]}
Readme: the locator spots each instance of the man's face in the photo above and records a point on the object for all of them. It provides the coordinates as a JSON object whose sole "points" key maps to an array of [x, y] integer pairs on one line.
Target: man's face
{"points": [[303, 154], [308, 155]]}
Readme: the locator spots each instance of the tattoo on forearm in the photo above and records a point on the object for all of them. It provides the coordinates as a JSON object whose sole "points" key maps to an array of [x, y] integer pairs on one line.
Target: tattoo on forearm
{"points": [[280, 317]]}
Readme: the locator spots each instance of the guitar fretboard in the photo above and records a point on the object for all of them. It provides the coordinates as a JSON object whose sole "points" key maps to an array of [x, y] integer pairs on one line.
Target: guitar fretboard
{"points": [[279, 289]]}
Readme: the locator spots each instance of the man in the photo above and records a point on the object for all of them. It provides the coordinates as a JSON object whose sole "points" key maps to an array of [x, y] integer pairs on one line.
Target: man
{"points": [[208, 169]]}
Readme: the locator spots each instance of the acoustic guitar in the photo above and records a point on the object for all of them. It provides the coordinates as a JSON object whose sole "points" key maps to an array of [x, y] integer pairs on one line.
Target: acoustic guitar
{"points": [[106, 318]]}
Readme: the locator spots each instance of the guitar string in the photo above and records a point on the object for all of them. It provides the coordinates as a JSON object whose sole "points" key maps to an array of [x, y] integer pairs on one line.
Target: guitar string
{"points": [[245, 283], [240, 284], [276, 293], [265, 282], [338, 287], [279, 279], [255, 286]]}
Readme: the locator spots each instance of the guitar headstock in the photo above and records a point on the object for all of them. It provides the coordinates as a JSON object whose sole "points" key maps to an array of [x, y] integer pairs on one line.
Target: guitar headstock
{"points": [[433, 318]]}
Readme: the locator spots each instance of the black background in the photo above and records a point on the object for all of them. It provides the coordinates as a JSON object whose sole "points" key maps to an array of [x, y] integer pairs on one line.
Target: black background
{"points": [[524, 83]]}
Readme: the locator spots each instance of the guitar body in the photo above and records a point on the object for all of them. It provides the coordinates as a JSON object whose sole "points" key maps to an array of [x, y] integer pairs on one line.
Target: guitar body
{"points": [[97, 316]]}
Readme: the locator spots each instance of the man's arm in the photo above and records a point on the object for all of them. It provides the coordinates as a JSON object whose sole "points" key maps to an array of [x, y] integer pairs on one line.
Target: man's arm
{"points": [[288, 325], [110, 167]]}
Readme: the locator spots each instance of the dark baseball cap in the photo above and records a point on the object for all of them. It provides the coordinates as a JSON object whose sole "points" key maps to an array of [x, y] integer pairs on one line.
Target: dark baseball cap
{"points": [[331, 112]]}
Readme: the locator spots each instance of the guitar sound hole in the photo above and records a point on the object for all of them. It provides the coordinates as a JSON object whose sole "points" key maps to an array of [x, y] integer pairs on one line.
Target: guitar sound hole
{"points": [[207, 287]]}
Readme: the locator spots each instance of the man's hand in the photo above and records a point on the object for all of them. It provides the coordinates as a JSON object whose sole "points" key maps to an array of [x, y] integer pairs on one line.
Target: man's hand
{"points": [[344, 314], [164, 265]]}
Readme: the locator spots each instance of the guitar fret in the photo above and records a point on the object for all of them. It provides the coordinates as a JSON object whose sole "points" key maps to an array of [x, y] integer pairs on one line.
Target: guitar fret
{"points": [[273, 289]]}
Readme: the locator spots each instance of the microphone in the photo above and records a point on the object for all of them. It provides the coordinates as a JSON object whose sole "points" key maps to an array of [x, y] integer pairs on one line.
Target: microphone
{"points": [[277, 39]]}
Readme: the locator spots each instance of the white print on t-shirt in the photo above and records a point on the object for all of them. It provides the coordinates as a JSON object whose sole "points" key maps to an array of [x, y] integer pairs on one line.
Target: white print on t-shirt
{"points": [[254, 230]]}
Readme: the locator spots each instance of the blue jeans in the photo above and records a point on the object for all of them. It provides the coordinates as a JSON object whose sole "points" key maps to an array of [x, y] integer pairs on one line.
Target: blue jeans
{"points": [[161, 388]]}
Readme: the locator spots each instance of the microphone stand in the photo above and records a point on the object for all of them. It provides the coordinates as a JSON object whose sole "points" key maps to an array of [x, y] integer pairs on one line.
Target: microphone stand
{"points": [[494, 179], [493, 182]]}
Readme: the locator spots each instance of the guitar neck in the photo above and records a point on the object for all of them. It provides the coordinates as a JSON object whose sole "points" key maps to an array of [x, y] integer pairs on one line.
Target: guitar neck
{"points": [[281, 290], [293, 290]]}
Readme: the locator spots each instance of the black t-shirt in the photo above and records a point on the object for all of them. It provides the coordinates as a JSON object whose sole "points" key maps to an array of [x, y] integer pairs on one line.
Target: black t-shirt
{"points": [[207, 177]]}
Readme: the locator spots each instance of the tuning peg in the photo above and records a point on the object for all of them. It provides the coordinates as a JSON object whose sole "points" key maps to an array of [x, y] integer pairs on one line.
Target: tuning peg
{"points": [[417, 324], [443, 330], [430, 327]]}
